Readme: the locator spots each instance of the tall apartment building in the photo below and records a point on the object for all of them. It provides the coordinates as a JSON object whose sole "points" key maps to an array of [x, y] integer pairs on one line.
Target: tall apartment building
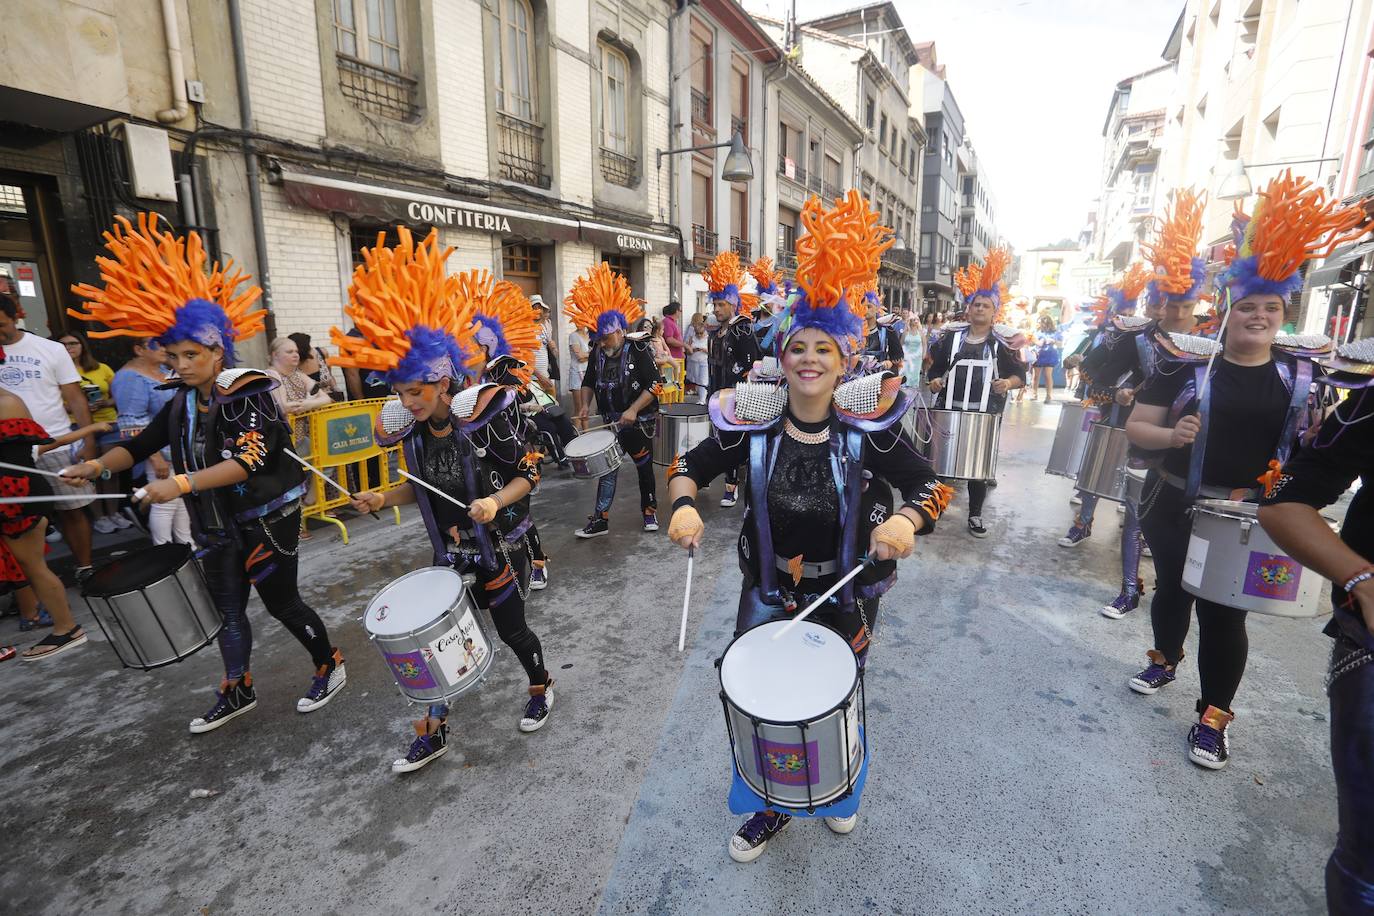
{"points": [[862, 58], [717, 62], [942, 182], [520, 130], [977, 207], [1133, 141]]}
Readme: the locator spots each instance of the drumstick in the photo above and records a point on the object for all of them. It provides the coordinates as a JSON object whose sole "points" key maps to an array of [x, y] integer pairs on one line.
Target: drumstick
{"points": [[686, 601], [433, 489], [24, 470], [1221, 330], [325, 477], [16, 500], [821, 600]]}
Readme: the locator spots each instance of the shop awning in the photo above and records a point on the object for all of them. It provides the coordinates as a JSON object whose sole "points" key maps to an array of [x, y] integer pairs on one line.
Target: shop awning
{"points": [[418, 206], [1332, 268]]}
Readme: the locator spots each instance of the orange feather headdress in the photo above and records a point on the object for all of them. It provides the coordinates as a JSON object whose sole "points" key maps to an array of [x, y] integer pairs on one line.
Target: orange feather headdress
{"points": [[416, 320], [1122, 295], [1293, 223], [767, 278], [841, 250], [601, 302], [724, 276], [157, 286], [505, 322], [1178, 271], [984, 279]]}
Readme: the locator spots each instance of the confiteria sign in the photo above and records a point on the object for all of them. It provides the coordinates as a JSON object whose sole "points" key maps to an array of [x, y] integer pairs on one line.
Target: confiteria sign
{"points": [[337, 194]]}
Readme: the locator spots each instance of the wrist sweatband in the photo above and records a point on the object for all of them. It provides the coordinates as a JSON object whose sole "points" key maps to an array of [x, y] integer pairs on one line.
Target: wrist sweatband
{"points": [[684, 501], [183, 484]]}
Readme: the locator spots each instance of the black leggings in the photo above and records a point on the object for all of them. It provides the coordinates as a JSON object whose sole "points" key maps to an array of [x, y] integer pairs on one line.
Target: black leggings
{"points": [[265, 558], [977, 495], [1222, 643]]}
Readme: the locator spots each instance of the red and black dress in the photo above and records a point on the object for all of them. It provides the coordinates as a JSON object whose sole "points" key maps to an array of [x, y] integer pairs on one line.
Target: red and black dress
{"points": [[17, 439]]}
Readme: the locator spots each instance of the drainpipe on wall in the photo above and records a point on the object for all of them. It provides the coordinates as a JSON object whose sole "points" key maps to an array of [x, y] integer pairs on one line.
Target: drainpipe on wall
{"points": [[250, 165], [180, 105], [675, 263]]}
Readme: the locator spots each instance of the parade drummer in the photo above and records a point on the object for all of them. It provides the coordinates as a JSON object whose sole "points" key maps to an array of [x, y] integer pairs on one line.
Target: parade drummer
{"points": [[978, 340], [883, 341], [803, 437], [228, 441], [464, 437], [732, 347], [1255, 405], [508, 331], [1320, 473], [622, 376], [771, 290]]}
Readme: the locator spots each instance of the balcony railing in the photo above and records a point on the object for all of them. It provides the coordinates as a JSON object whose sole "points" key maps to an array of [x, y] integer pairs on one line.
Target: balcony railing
{"points": [[798, 170], [703, 243], [830, 191], [701, 110], [787, 258], [378, 90], [617, 168], [903, 260], [740, 247], [520, 151]]}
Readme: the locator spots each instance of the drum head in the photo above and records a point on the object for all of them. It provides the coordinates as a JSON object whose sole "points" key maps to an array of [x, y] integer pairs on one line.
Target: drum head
{"points": [[412, 601], [684, 410], [137, 570], [800, 677], [589, 443], [1228, 507]]}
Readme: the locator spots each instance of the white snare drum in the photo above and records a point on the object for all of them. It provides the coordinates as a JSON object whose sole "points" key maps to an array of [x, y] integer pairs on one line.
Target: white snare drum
{"points": [[680, 428], [153, 606], [1103, 469], [1075, 422], [963, 443], [1234, 562], [594, 454], [430, 634], [793, 709]]}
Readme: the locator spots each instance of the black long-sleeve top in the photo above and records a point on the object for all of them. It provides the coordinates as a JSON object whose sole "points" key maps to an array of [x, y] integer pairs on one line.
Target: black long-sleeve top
{"points": [[731, 351]]}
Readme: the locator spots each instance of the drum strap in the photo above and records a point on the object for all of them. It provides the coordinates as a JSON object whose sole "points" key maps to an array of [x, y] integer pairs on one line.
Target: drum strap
{"points": [[1204, 414], [849, 484], [760, 466], [988, 364]]}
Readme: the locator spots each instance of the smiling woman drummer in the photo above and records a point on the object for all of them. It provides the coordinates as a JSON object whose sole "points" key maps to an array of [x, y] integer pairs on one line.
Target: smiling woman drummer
{"points": [[1252, 410], [802, 530], [227, 438], [465, 438]]}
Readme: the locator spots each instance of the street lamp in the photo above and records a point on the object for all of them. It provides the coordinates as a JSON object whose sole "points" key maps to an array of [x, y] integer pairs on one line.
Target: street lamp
{"points": [[737, 165], [1236, 185]]}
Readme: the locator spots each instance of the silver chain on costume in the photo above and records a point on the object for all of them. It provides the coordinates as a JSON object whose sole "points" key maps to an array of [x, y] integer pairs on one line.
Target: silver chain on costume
{"points": [[859, 603], [267, 533], [1147, 502], [504, 546], [1351, 661]]}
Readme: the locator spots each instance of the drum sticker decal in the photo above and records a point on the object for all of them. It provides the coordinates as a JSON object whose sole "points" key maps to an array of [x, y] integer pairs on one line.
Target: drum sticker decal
{"points": [[1272, 576], [1196, 562], [410, 670], [785, 763], [460, 651]]}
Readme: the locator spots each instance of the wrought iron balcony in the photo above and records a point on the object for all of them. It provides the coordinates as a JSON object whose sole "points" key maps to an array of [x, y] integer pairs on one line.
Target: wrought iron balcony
{"points": [[798, 170], [703, 243], [701, 110], [520, 151], [740, 247], [903, 260], [377, 89], [830, 191], [787, 259], [618, 168]]}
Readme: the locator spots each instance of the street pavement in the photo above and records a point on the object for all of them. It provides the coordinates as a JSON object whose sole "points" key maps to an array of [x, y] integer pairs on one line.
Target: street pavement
{"points": [[1013, 772]]}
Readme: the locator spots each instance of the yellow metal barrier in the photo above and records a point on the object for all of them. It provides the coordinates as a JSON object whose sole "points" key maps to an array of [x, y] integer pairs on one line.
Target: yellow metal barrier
{"points": [[670, 392], [339, 442]]}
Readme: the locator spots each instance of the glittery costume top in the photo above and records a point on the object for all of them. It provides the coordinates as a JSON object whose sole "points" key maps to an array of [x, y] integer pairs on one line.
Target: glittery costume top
{"points": [[731, 351], [17, 438], [241, 423]]}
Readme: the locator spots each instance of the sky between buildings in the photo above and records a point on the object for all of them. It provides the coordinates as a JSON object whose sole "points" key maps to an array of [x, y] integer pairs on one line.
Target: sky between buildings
{"points": [[1033, 79]]}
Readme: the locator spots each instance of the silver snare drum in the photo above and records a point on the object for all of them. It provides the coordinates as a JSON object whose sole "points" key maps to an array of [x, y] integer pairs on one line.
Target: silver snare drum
{"points": [[680, 428], [431, 634], [1103, 470], [153, 606], [1075, 422], [1232, 561], [797, 742], [594, 454], [963, 443]]}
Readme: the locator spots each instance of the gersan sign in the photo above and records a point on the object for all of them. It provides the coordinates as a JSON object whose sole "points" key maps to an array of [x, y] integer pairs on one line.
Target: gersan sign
{"points": [[633, 243], [456, 217]]}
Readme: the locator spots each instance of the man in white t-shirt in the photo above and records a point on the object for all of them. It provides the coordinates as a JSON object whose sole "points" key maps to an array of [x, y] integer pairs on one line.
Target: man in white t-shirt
{"points": [[42, 375]]}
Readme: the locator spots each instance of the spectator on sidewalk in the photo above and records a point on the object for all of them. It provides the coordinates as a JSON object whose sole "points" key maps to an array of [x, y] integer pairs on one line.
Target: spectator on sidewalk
{"points": [[696, 343], [579, 348], [361, 385], [44, 377], [95, 384], [672, 331], [139, 396], [313, 364]]}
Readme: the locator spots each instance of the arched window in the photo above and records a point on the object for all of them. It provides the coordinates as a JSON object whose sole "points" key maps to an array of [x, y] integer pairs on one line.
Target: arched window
{"points": [[615, 101], [515, 76]]}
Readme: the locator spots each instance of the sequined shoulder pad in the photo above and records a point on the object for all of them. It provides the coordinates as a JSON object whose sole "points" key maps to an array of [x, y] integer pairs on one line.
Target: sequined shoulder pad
{"points": [[237, 384], [488, 402], [872, 402], [748, 407]]}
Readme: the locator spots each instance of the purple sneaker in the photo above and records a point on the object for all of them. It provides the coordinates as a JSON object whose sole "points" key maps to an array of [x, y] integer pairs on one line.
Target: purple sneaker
{"points": [[1121, 605], [751, 840], [1208, 744], [1159, 674], [1077, 534]]}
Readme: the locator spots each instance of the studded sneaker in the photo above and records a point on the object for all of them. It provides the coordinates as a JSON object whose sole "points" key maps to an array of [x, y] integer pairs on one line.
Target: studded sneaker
{"points": [[1121, 605], [1078, 533], [597, 525], [751, 840], [539, 576], [1208, 744], [231, 701], [424, 750], [537, 708], [650, 520], [1158, 674], [730, 496], [329, 679]]}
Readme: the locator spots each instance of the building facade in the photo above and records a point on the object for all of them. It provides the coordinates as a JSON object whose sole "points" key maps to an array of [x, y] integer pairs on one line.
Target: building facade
{"points": [[941, 186], [977, 208], [1133, 141]]}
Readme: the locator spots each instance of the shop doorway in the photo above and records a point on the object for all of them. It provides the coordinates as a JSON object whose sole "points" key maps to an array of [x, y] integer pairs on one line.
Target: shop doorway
{"points": [[26, 266]]}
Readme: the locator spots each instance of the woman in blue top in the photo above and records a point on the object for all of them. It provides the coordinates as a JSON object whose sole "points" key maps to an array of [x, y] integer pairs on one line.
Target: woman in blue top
{"points": [[1047, 348]]}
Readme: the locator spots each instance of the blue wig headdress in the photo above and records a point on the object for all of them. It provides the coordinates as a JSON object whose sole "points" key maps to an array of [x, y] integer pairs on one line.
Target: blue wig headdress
{"points": [[984, 279], [158, 287], [505, 322], [1293, 222], [840, 251], [416, 320]]}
